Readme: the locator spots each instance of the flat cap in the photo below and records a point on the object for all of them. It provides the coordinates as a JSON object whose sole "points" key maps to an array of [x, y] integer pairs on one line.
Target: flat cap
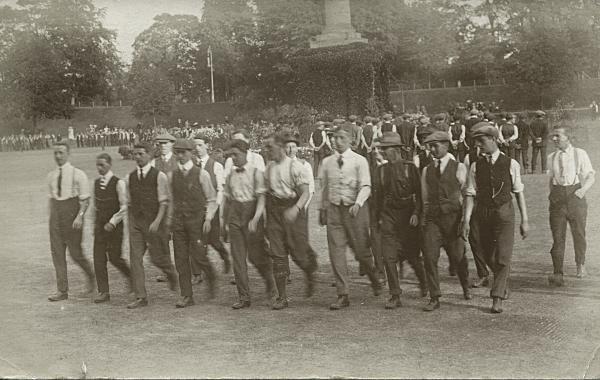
{"points": [[338, 121], [388, 116], [291, 137], [237, 143], [440, 116], [343, 130], [184, 144], [352, 118], [474, 113], [484, 129], [165, 137], [425, 131], [424, 120], [437, 136], [540, 113]]}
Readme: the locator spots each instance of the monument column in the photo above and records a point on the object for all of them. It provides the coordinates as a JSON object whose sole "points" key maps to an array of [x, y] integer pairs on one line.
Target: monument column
{"points": [[338, 26]]}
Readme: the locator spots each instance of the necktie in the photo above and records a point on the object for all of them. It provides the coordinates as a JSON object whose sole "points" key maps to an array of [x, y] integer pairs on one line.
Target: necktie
{"points": [[561, 166], [102, 183], [438, 167], [141, 175], [240, 170], [340, 161], [59, 185]]}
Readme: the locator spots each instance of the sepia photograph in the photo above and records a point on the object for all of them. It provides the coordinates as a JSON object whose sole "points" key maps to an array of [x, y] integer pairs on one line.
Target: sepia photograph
{"points": [[299, 189]]}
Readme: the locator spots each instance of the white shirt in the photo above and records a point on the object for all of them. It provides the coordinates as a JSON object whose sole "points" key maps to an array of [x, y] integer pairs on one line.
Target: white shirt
{"points": [[219, 173], [74, 183], [165, 158], [515, 175], [253, 158], [570, 175]]}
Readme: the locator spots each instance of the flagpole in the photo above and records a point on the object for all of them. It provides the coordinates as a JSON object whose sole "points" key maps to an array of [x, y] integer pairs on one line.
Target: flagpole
{"points": [[212, 79]]}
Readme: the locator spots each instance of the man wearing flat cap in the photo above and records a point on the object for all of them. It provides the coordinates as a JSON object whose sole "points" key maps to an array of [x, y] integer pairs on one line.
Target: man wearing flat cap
{"points": [[407, 132], [397, 199], [166, 162], [442, 182], [423, 158], [345, 187], [492, 181], [440, 123], [192, 208], [539, 139]]}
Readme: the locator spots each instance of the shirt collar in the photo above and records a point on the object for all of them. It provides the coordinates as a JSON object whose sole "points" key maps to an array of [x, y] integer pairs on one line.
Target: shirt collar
{"points": [[66, 165], [145, 169], [187, 166], [347, 153], [568, 150], [494, 155], [444, 159], [107, 176]]}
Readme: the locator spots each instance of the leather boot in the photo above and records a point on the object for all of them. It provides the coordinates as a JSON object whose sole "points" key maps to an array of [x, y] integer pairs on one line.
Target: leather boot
{"points": [[434, 304], [341, 303], [497, 305]]}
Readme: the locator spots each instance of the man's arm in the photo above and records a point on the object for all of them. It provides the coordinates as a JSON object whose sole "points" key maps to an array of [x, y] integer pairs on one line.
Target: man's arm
{"points": [[364, 178], [220, 176], [163, 200], [210, 194], [84, 197], [424, 195], [122, 194]]}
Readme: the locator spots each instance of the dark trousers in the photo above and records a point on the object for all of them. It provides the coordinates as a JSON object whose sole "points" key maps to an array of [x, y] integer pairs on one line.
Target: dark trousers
{"points": [[343, 231], [400, 242], [63, 236], [496, 235], [187, 243], [375, 241], [107, 247], [482, 269], [541, 150], [524, 159], [287, 237], [141, 239], [442, 231], [246, 245], [567, 208], [213, 239]]}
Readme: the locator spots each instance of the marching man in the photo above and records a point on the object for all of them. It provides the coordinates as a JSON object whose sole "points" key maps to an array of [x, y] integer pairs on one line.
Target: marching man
{"points": [[571, 177], [442, 182], [492, 180]]}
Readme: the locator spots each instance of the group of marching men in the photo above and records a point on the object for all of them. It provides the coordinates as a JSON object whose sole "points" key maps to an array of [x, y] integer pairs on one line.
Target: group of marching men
{"points": [[388, 207]]}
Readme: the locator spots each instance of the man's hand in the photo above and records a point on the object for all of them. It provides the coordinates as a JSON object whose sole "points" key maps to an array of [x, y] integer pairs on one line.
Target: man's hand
{"points": [[206, 226], [291, 214], [78, 222], [354, 210], [465, 228], [524, 229], [109, 227], [414, 221], [253, 225], [154, 226], [322, 217], [580, 193]]}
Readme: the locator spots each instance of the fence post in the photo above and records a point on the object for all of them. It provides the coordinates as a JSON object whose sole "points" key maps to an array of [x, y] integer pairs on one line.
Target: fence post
{"points": [[93, 104], [489, 82], [458, 84], [503, 81], [107, 104], [444, 83], [474, 82], [414, 86], [79, 102]]}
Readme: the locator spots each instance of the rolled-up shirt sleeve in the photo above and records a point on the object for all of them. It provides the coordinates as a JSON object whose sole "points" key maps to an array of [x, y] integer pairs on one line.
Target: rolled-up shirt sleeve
{"points": [[162, 188], [515, 175], [364, 178], [81, 182], [585, 165], [122, 194], [207, 187], [471, 189]]}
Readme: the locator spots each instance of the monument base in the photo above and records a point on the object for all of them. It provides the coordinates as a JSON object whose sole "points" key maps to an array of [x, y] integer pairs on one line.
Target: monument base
{"points": [[336, 39]]}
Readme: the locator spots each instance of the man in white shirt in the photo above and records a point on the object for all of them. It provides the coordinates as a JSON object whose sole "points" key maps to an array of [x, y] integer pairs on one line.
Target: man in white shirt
{"points": [[571, 176], [253, 158], [69, 196], [110, 202]]}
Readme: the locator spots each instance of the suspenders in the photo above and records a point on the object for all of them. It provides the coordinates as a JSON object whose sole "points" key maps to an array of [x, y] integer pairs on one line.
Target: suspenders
{"points": [[576, 156]]}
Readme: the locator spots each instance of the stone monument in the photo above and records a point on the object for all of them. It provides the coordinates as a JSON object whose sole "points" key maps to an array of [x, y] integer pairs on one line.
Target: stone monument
{"points": [[338, 26]]}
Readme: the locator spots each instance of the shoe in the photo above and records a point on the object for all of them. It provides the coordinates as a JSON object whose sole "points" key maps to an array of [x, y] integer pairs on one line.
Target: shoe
{"points": [[497, 305], [361, 270], [556, 280], [377, 288], [482, 283], [240, 305], [172, 281], [289, 280], [161, 278], [232, 281], [341, 303], [279, 304], [58, 296], [580, 271], [197, 279], [393, 303], [184, 302], [139, 302], [451, 271], [433, 304], [467, 294], [102, 297]]}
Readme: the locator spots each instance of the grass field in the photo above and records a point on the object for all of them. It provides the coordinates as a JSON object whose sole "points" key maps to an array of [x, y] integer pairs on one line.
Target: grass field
{"points": [[543, 332]]}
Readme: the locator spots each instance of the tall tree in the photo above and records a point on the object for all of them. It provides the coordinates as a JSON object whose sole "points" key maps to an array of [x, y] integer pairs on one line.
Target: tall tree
{"points": [[152, 93]]}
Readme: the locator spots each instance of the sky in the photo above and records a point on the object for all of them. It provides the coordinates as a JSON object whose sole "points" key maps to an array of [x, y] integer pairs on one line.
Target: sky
{"points": [[130, 17]]}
